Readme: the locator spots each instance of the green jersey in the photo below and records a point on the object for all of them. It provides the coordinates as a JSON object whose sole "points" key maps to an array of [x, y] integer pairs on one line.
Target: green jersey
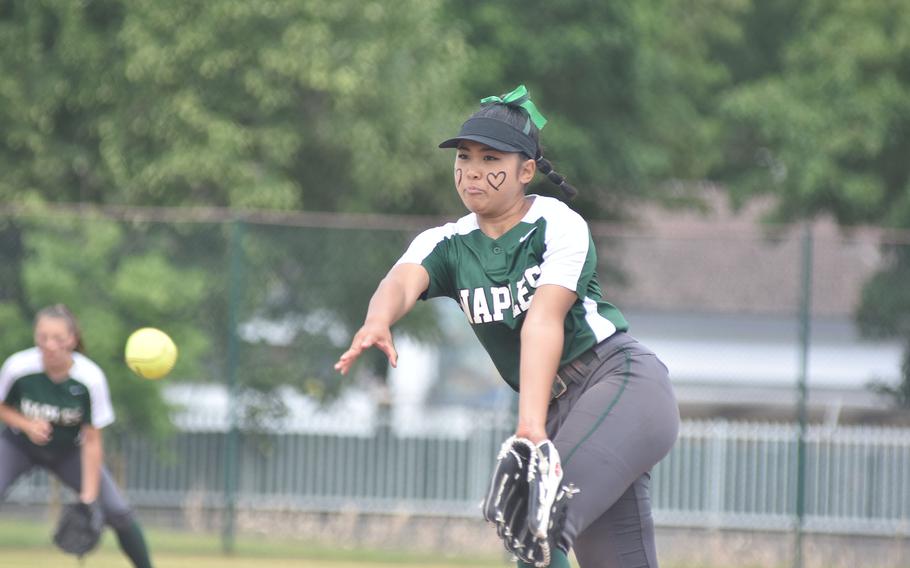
{"points": [[494, 280], [82, 398]]}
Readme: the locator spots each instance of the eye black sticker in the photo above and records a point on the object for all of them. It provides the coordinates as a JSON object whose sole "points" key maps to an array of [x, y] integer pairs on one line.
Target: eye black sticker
{"points": [[458, 177], [496, 180]]}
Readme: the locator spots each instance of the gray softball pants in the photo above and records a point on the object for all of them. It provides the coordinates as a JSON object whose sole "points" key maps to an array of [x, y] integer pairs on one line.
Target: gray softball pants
{"points": [[616, 418], [16, 460]]}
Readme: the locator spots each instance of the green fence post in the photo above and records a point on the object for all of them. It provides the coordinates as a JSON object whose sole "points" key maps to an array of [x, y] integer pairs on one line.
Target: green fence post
{"points": [[235, 287], [805, 299]]}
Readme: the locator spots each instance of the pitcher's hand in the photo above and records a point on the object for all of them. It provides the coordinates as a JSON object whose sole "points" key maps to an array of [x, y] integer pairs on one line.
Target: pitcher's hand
{"points": [[370, 335]]}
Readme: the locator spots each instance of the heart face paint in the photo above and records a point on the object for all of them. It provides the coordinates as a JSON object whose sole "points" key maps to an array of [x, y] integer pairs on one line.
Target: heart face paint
{"points": [[496, 180]]}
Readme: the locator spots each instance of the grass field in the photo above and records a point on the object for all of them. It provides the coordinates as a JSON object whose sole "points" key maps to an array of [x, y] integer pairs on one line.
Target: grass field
{"points": [[28, 544], [113, 559]]}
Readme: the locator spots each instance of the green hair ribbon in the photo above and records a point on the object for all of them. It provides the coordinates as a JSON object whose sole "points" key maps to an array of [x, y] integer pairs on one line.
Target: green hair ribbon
{"points": [[519, 98]]}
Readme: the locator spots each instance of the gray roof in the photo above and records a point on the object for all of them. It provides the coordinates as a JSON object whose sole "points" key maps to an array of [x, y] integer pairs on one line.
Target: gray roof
{"points": [[721, 260]]}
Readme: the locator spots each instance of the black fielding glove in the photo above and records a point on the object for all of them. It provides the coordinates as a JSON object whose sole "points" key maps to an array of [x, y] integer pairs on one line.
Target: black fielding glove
{"points": [[79, 528]]}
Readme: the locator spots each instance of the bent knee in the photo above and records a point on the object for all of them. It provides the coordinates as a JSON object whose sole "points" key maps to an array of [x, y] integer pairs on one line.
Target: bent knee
{"points": [[119, 520]]}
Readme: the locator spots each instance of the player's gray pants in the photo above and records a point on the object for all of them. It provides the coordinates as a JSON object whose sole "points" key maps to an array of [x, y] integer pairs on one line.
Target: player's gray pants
{"points": [[616, 420], [16, 460]]}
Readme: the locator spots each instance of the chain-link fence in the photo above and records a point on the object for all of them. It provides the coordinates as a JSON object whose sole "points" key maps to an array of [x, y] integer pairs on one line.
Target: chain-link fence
{"points": [[262, 305]]}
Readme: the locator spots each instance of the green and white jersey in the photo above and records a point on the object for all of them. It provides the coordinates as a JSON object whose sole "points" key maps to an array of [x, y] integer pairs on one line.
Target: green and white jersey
{"points": [[83, 398], [494, 279]]}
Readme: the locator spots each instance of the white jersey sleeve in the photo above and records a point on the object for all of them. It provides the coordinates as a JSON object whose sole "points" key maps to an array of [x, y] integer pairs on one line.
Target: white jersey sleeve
{"points": [[424, 245], [7, 377], [429, 249], [17, 366], [90, 374], [567, 243]]}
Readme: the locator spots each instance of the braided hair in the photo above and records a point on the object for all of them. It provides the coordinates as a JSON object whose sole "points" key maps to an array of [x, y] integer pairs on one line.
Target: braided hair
{"points": [[546, 168], [518, 119]]}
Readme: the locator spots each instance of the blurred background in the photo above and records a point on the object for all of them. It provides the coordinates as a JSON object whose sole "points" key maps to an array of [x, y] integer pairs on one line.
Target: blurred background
{"points": [[242, 174]]}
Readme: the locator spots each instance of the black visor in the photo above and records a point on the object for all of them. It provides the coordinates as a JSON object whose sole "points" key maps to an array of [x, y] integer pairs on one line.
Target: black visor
{"points": [[496, 134]]}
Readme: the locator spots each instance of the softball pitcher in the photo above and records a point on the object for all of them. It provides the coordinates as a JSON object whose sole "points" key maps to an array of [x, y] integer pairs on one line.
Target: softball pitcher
{"points": [[584, 383], [55, 401]]}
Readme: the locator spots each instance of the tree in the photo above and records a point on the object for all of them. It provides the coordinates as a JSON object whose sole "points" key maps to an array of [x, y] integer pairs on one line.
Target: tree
{"points": [[307, 289], [828, 131], [822, 121], [321, 105], [884, 312], [630, 88], [116, 278]]}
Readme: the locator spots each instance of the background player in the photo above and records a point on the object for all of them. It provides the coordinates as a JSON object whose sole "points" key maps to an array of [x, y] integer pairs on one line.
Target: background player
{"points": [[603, 398], [55, 401]]}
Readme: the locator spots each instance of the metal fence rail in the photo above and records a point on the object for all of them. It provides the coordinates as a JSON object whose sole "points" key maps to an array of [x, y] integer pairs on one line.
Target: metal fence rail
{"points": [[719, 474]]}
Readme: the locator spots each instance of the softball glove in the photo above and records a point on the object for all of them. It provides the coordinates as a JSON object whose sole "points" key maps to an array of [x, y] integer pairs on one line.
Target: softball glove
{"points": [[526, 500], [79, 528]]}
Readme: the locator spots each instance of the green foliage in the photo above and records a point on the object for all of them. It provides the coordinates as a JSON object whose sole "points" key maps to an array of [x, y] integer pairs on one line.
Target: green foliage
{"points": [[58, 74], [305, 293], [328, 105], [629, 88], [884, 312], [279, 104], [337, 105], [17, 330], [821, 119], [900, 393], [827, 129], [114, 284]]}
